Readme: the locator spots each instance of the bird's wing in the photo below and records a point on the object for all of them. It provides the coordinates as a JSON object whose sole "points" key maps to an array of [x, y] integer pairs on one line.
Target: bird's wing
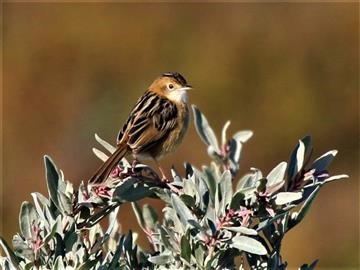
{"points": [[151, 120]]}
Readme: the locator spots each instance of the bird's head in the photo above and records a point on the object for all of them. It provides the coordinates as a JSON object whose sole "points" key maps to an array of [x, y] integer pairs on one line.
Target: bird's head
{"points": [[171, 85]]}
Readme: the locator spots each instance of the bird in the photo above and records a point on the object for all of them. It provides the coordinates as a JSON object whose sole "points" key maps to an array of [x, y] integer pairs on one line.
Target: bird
{"points": [[155, 127]]}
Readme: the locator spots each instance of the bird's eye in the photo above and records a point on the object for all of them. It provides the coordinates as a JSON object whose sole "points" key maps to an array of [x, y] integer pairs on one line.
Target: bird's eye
{"points": [[170, 86]]}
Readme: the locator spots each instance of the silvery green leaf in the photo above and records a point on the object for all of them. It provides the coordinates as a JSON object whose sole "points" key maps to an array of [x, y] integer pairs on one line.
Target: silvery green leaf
{"points": [[40, 201], [210, 181], [170, 214], [223, 132], [138, 214], [150, 216], [27, 217], [185, 247], [277, 174], [59, 264], [112, 221], [65, 203], [336, 177], [287, 197], [249, 180], [160, 259], [22, 249], [163, 194], [236, 200], [6, 264], [300, 155], [245, 181], [226, 190], [9, 253], [297, 158], [181, 209], [54, 182], [321, 163], [243, 136], [199, 255], [303, 210], [204, 130], [248, 244], [56, 227], [234, 154], [105, 144], [101, 155], [190, 188], [242, 230], [131, 190]]}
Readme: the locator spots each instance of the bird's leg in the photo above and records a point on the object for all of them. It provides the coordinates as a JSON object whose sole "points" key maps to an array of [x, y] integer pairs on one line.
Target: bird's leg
{"points": [[163, 175]]}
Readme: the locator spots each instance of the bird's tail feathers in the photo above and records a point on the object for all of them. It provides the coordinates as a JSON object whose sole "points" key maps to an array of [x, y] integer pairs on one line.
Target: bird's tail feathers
{"points": [[105, 169]]}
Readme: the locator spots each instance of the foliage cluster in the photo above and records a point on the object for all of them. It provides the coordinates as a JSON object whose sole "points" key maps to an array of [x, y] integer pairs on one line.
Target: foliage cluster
{"points": [[211, 219]]}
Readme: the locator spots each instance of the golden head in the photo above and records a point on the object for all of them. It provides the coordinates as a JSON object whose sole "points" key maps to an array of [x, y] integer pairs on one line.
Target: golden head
{"points": [[171, 85]]}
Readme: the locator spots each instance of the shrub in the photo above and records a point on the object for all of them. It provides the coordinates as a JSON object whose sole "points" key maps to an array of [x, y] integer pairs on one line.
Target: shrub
{"points": [[210, 220]]}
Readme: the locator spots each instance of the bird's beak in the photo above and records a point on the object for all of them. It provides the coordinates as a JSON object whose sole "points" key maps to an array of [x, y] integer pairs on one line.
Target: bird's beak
{"points": [[186, 88]]}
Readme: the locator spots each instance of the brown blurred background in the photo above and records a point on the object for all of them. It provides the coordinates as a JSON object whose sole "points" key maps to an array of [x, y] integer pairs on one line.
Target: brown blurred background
{"points": [[281, 70]]}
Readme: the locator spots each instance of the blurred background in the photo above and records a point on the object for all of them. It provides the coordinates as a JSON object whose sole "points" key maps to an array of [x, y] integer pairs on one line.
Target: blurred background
{"points": [[281, 70]]}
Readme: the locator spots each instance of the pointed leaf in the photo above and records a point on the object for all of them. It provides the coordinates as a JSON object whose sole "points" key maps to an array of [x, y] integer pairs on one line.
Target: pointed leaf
{"points": [[27, 217], [204, 130], [9, 253], [277, 174], [287, 197], [242, 230], [105, 144], [248, 244], [323, 162], [181, 209], [243, 136]]}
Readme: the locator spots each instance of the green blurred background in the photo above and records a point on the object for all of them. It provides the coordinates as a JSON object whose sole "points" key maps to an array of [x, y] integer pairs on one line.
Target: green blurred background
{"points": [[281, 70]]}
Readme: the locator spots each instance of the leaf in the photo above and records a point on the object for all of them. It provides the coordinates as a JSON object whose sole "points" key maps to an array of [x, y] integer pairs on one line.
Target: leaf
{"points": [[101, 155], [150, 216], [52, 180], [297, 159], [277, 174], [59, 264], [160, 259], [300, 155], [185, 247], [105, 144], [303, 210], [226, 190], [181, 209], [40, 201], [223, 132], [204, 130], [211, 182], [138, 214], [234, 155], [9, 253], [130, 191], [248, 244], [242, 230], [335, 177], [236, 200], [287, 197], [321, 163], [21, 248], [243, 136], [27, 217]]}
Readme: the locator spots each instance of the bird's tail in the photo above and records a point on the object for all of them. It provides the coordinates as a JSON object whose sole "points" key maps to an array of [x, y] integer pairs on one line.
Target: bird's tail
{"points": [[104, 171]]}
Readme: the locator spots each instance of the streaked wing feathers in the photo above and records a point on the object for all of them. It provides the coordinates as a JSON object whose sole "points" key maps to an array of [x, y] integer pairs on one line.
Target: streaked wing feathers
{"points": [[151, 120]]}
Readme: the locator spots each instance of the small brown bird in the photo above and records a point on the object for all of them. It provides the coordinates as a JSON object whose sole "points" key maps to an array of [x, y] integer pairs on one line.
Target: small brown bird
{"points": [[156, 125]]}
